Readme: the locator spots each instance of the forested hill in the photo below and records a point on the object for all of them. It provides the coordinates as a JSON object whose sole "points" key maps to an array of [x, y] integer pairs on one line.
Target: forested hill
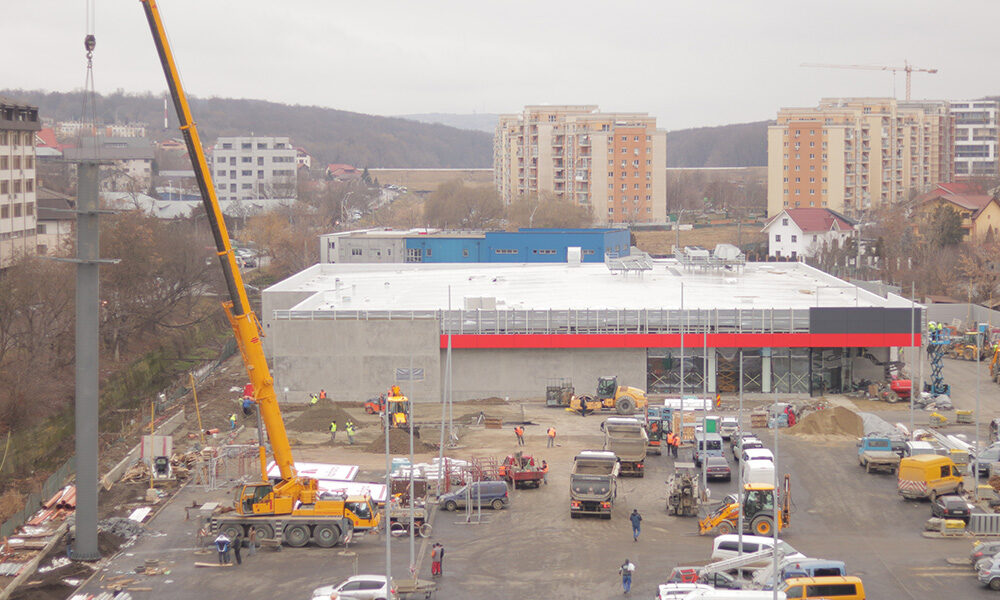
{"points": [[740, 145], [330, 136]]}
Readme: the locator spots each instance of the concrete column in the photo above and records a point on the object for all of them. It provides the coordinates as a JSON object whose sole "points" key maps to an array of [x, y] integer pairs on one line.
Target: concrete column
{"points": [[710, 367], [87, 299], [765, 370]]}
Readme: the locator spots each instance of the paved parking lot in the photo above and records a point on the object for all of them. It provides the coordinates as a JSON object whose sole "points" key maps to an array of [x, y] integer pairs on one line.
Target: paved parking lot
{"points": [[534, 550]]}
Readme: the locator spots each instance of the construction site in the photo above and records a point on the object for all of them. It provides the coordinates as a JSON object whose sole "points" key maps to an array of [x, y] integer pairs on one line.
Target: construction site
{"points": [[368, 439]]}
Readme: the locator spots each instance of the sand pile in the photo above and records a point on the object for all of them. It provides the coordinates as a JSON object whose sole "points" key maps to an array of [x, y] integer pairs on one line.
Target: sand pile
{"points": [[837, 421], [399, 443], [318, 417]]}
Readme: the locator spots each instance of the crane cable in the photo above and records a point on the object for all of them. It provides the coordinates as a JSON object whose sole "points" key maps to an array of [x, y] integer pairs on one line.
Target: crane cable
{"points": [[89, 109]]}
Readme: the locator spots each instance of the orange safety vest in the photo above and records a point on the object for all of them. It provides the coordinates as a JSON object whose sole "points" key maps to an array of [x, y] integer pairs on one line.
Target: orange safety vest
{"points": [[552, 432], [322, 395]]}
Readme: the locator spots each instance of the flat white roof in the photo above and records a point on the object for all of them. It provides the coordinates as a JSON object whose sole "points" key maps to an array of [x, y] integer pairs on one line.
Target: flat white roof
{"points": [[559, 286]]}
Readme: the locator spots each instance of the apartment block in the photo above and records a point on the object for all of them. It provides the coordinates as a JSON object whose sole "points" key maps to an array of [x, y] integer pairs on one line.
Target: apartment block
{"points": [[18, 124], [247, 168], [613, 163], [855, 154], [976, 138]]}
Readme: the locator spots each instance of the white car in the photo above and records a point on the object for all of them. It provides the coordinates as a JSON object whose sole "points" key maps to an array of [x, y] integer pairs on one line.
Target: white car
{"points": [[359, 587], [751, 454], [728, 426], [672, 591]]}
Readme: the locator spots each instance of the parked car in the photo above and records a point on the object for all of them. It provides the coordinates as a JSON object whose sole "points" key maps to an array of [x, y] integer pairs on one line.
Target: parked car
{"points": [[359, 587], [721, 581], [951, 506], [676, 591], [486, 493], [747, 443], [983, 550], [986, 458], [716, 467], [728, 427], [762, 453], [727, 546], [989, 574]]}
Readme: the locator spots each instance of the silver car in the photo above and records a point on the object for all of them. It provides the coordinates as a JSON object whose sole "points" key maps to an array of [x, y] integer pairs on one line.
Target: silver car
{"points": [[990, 574], [359, 587]]}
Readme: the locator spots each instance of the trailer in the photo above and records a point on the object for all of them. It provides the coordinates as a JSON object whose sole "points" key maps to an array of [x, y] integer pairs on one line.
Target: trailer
{"points": [[522, 471]]}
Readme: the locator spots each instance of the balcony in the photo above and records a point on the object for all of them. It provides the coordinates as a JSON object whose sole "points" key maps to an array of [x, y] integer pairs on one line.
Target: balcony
{"points": [[585, 141]]}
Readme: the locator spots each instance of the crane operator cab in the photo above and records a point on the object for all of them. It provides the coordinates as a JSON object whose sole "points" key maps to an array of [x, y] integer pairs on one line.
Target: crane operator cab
{"points": [[255, 499]]}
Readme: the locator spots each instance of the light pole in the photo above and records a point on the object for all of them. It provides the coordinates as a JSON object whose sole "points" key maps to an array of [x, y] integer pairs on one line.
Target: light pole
{"points": [[979, 377]]}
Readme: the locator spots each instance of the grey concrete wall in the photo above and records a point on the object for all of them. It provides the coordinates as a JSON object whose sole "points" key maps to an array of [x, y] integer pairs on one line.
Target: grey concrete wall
{"points": [[950, 313], [353, 360], [523, 374], [272, 301]]}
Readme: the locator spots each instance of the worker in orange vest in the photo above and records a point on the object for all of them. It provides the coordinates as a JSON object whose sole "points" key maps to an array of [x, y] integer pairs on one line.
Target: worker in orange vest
{"points": [[322, 394], [519, 432], [552, 437]]}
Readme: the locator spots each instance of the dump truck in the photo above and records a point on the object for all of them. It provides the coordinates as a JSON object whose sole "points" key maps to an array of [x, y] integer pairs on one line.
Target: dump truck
{"points": [[682, 490], [627, 438], [877, 455], [610, 396], [593, 484]]}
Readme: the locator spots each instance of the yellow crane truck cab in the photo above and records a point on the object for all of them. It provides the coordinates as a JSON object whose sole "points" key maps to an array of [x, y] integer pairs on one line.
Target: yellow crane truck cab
{"points": [[928, 476]]}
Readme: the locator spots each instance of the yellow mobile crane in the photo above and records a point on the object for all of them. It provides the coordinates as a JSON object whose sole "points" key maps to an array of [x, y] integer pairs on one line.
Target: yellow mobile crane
{"points": [[292, 509]]}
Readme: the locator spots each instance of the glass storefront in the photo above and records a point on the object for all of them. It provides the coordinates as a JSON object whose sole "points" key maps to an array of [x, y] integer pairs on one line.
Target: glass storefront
{"points": [[663, 371]]}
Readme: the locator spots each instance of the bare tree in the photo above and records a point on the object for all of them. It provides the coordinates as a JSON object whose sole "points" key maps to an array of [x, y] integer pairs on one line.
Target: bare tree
{"points": [[547, 210], [457, 205]]}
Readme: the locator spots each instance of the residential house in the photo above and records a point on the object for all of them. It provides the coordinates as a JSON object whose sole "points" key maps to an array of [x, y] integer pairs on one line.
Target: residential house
{"points": [[801, 233], [980, 211], [131, 161], [54, 227]]}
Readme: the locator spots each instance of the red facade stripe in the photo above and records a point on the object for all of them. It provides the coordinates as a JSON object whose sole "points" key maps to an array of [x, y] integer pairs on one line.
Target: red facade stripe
{"points": [[673, 340]]}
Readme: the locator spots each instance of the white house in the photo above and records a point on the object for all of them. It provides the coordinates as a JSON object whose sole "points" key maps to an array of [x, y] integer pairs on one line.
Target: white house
{"points": [[800, 233]]}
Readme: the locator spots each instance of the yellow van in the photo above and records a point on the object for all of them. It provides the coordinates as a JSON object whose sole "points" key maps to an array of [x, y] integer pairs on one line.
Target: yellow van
{"points": [[928, 476], [833, 588]]}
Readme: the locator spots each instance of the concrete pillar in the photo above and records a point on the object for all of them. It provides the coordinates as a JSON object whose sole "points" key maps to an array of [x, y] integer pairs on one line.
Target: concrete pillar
{"points": [[87, 299], [765, 370], [710, 367]]}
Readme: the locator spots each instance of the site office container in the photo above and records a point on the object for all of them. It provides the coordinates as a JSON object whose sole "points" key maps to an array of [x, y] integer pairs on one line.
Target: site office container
{"points": [[928, 476]]}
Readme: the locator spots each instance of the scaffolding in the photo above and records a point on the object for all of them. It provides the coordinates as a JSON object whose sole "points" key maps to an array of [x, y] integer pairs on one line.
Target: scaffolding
{"points": [[222, 466]]}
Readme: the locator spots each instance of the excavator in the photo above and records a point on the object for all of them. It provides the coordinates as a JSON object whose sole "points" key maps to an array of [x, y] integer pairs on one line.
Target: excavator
{"points": [[758, 511], [291, 510]]}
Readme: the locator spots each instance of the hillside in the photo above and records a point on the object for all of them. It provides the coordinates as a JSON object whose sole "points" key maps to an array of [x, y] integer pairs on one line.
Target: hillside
{"points": [[329, 135], [486, 122], [740, 145]]}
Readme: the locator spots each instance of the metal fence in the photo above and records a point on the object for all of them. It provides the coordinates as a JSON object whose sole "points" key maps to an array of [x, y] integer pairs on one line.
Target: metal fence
{"points": [[767, 320], [34, 502], [227, 464]]}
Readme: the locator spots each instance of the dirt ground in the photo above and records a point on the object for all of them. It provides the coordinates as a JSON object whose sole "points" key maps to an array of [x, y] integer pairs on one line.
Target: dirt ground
{"points": [[661, 242]]}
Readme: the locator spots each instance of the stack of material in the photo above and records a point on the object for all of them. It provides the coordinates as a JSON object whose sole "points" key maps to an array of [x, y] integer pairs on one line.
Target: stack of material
{"points": [[58, 506]]}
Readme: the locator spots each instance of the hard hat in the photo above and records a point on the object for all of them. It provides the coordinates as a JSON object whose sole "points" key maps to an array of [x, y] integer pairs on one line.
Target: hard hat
{"points": [[931, 324]]}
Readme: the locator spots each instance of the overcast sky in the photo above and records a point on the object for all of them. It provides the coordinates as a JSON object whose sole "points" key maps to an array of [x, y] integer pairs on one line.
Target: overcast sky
{"points": [[689, 63]]}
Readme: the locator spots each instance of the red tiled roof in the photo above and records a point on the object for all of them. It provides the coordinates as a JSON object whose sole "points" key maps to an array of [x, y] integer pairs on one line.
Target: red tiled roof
{"points": [[974, 202], [817, 219], [341, 169]]}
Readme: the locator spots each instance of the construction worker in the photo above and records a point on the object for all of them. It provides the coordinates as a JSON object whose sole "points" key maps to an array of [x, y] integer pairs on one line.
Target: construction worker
{"points": [[222, 546], [519, 432], [247, 406], [545, 472], [552, 437], [675, 446], [333, 431], [349, 427], [232, 421], [636, 519], [313, 399], [322, 394], [626, 571]]}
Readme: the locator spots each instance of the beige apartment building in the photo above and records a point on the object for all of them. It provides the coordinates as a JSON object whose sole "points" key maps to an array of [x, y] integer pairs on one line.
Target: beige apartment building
{"points": [[18, 124], [855, 154], [613, 163]]}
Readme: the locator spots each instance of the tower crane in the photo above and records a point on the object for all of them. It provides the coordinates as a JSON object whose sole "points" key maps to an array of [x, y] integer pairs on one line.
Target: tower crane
{"points": [[907, 68]]}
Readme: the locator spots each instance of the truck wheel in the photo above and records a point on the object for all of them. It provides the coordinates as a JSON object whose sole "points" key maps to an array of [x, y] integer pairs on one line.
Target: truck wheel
{"points": [[326, 536], [424, 530], [762, 526], [264, 531], [296, 535], [995, 584], [231, 530], [450, 505], [625, 406], [497, 504], [724, 528]]}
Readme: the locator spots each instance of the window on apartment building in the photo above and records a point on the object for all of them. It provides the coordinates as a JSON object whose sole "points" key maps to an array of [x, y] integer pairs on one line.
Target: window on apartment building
{"points": [[246, 146], [812, 144], [795, 238], [777, 237], [797, 132], [648, 197], [246, 159], [611, 210], [812, 192], [635, 199], [611, 163], [40, 229], [220, 173], [3, 138], [635, 163], [798, 179], [624, 186], [823, 203], [611, 186], [824, 180], [786, 167], [5, 211], [246, 173], [811, 203], [246, 186], [232, 161], [611, 174], [17, 210], [812, 180], [624, 163], [624, 150], [29, 185], [635, 186], [260, 161], [260, 174], [786, 190], [798, 192], [17, 162], [624, 138], [797, 145], [355, 251], [262, 145], [29, 162], [635, 139], [227, 146], [797, 155], [649, 186], [232, 187], [786, 156], [4, 163], [823, 193], [812, 167], [232, 174], [220, 159], [17, 186], [221, 186]]}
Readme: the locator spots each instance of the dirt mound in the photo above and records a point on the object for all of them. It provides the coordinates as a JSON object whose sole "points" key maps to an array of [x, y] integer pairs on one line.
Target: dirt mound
{"points": [[483, 401], [837, 421], [318, 416], [399, 443]]}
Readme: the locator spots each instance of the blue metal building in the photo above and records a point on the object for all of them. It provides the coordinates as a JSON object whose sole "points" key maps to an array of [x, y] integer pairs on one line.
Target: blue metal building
{"points": [[522, 246]]}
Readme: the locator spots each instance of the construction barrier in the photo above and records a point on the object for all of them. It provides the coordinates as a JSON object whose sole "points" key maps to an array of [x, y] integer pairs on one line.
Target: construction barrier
{"points": [[984, 524], [53, 484]]}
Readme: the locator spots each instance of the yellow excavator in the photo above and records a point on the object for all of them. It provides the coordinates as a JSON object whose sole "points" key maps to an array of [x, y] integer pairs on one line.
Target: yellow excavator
{"points": [[610, 396], [290, 510], [758, 511]]}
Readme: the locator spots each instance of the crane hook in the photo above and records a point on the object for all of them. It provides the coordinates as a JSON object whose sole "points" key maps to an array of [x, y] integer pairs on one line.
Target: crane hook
{"points": [[89, 43]]}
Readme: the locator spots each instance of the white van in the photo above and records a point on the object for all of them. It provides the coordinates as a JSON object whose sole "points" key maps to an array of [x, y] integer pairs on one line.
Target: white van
{"points": [[727, 546], [735, 595], [758, 471]]}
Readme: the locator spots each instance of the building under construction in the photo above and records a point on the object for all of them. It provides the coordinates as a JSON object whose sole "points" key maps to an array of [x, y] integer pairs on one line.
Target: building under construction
{"points": [[356, 329]]}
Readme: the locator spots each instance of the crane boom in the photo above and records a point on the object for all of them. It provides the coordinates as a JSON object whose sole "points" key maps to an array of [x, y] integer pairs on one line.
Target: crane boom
{"points": [[907, 68], [245, 325]]}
